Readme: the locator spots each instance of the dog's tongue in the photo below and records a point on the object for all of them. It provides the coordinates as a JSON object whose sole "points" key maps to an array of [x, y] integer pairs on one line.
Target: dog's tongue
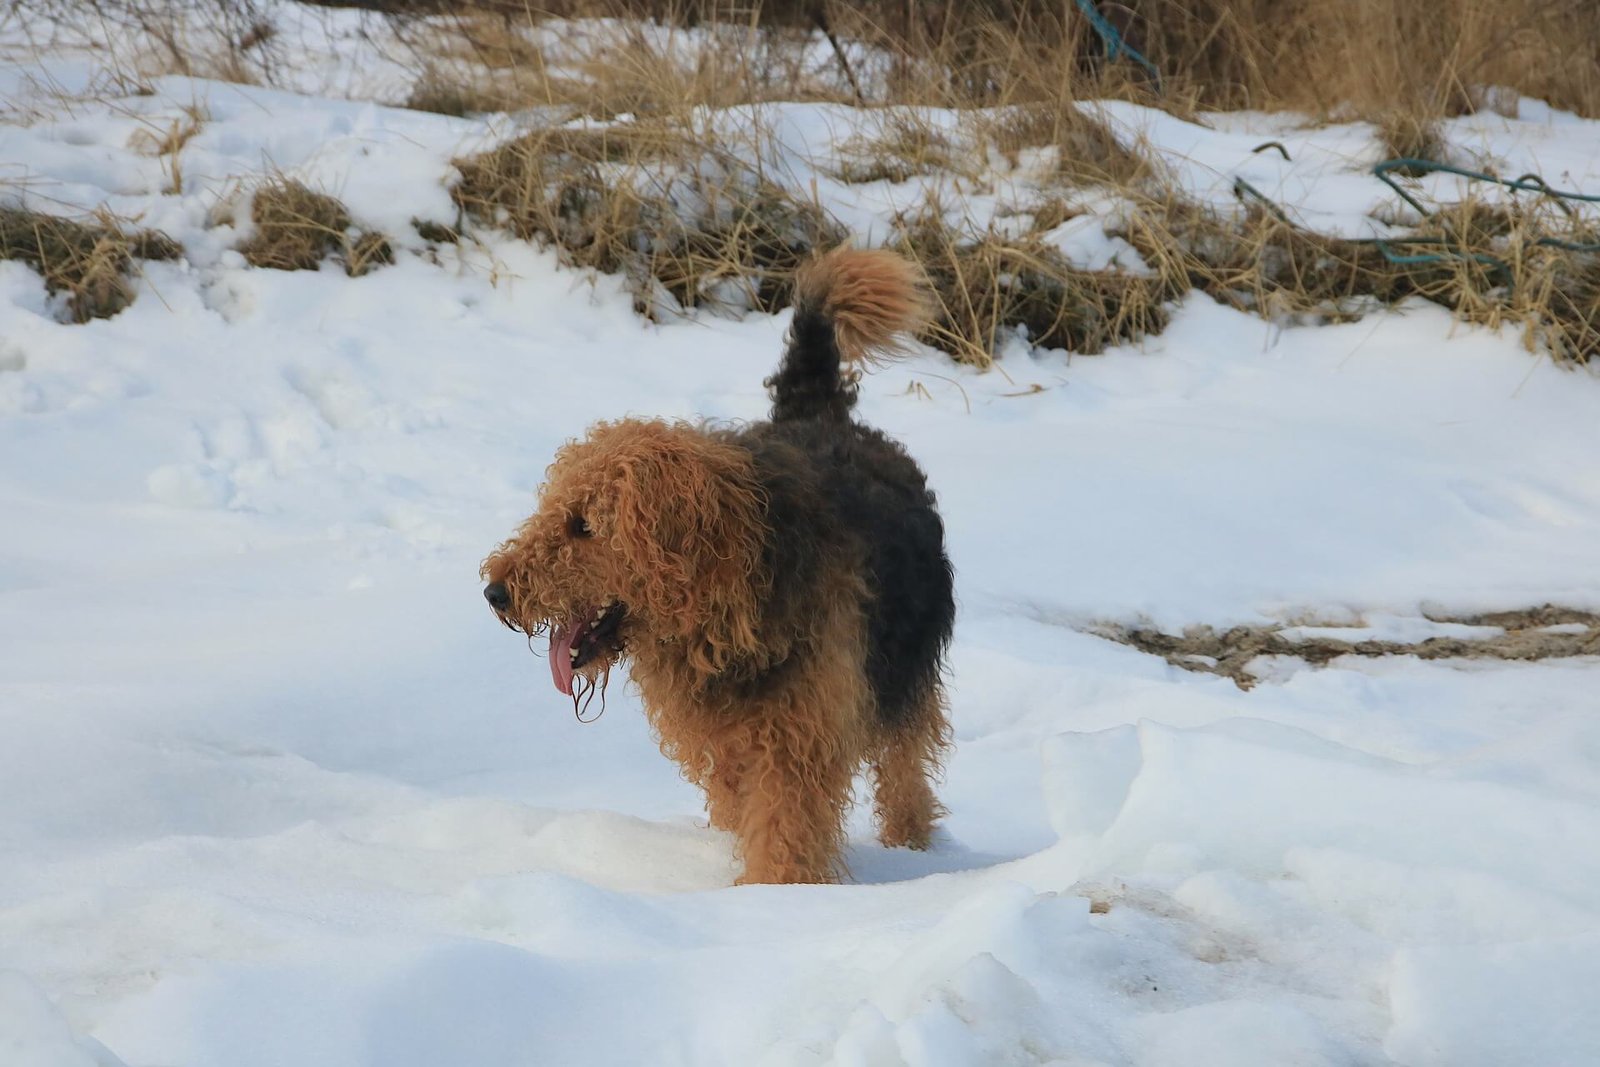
{"points": [[561, 656]]}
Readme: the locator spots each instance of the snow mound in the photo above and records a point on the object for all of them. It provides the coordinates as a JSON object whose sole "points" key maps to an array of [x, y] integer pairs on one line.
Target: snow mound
{"points": [[33, 1033]]}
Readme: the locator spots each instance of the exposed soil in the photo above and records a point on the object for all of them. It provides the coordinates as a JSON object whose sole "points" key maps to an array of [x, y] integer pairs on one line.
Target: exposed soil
{"points": [[1231, 653]]}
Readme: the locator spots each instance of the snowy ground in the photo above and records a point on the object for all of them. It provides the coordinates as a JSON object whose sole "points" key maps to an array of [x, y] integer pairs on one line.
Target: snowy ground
{"points": [[275, 788]]}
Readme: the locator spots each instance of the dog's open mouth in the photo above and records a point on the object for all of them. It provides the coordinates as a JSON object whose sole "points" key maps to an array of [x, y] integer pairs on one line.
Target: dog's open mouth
{"points": [[584, 639]]}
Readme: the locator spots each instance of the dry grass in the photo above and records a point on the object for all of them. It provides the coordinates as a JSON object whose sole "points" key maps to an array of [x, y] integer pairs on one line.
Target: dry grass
{"points": [[1427, 57], [900, 144], [1260, 262], [691, 225], [1491, 267], [1078, 148], [475, 61], [296, 228], [1086, 150], [613, 199], [989, 288], [91, 261], [681, 215], [1411, 135], [167, 143], [462, 93], [226, 40], [675, 210], [1551, 292], [471, 63], [1488, 263], [664, 200], [1367, 57], [486, 55]]}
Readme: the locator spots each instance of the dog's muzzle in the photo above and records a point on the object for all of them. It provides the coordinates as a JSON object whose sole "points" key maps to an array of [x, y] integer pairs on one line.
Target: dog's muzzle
{"points": [[498, 596]]}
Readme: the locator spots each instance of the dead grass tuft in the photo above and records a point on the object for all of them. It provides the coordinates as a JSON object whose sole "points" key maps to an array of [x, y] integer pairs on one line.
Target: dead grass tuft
{"points": [[367, 252], [905, 144], [1411, 135], [166, 142], [472, 64], [1086, 150], [1511, 274], [682, 215], [296, 228], [988, 288], [437, 233], [457, 96], [92, 262], [1260, 262]]}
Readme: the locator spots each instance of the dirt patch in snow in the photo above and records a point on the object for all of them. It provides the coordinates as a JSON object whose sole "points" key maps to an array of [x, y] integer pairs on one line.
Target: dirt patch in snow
{"points": [[1547, 632]]}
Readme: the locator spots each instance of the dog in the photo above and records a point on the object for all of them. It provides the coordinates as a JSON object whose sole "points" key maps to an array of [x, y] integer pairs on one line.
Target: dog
{"points": [[780, 589]]}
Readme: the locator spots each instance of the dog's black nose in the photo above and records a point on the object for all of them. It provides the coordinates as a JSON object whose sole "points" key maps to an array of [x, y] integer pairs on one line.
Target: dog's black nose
{"points": [[498, 596]]}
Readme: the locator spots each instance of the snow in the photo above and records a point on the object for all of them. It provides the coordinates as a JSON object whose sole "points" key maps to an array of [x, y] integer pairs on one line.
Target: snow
{"points": [[33, 1034], [276, 788], [1452, 1003], [1380, 627]]}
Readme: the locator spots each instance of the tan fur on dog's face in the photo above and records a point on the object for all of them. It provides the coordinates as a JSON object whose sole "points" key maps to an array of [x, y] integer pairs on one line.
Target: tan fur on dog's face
{"points": [[660, 518]]}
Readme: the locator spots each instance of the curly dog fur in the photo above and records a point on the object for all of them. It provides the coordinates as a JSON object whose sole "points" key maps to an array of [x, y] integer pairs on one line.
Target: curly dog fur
{"points": [[781, 589]]}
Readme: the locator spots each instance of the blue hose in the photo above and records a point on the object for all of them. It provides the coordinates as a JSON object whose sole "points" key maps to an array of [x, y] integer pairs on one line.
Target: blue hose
{"points": [[1448, 251], [1116, 47]]}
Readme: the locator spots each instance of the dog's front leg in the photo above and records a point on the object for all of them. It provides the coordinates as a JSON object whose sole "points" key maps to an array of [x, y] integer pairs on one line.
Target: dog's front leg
{"points": [[796, 754]]}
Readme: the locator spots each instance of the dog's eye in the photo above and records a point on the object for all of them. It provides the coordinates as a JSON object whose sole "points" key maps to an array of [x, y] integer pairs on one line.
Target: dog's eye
{"points": [[578, 526]]}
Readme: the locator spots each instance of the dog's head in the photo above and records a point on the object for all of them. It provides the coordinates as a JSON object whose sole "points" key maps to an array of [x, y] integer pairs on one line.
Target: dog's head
{"points": [[646, 532]]}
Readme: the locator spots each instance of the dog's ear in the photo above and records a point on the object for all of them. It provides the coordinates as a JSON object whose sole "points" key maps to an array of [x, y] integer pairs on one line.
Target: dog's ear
{"points": [[688, 516]]}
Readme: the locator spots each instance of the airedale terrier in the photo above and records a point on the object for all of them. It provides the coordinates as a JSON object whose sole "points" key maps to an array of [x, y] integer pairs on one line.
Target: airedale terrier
{"points": [[781, 589]]}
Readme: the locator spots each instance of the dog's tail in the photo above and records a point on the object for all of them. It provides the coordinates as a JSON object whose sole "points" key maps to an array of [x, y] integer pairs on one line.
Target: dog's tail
{"points": [[851, 306]]}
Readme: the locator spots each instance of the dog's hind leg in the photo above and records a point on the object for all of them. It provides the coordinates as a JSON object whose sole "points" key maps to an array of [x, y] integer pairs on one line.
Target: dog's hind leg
{"points": [[905, 760]]}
